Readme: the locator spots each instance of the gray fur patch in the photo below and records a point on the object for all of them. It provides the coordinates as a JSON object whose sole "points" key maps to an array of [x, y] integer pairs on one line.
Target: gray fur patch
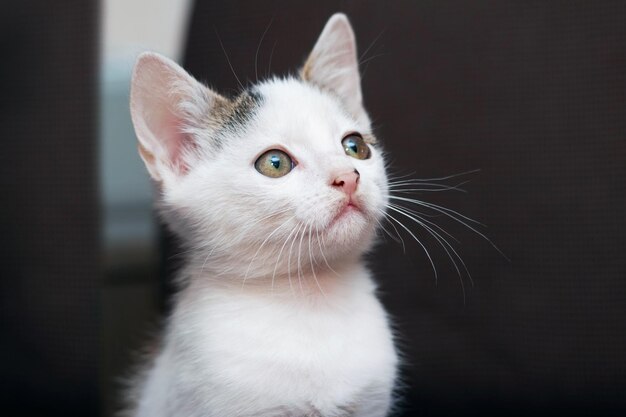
{"points": [[233, 115]]}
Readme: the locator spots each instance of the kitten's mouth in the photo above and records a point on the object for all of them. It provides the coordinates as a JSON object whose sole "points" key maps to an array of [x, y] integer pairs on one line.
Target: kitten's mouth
{"points": [[350, 208]]}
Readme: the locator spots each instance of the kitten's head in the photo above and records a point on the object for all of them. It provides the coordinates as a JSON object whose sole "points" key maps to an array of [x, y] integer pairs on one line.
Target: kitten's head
{"points": [[285, 176]]}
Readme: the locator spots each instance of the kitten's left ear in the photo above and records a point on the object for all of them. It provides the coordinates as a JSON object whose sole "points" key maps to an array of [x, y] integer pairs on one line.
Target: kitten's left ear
{"points": [[333, 64], [166, 103]]}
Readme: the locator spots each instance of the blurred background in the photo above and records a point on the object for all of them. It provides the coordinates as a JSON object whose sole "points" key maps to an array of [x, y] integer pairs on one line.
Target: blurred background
{"points": [[531, 93]]}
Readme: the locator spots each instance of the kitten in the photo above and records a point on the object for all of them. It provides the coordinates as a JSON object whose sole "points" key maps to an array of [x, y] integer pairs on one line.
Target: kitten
{"points": [[276, 195]]}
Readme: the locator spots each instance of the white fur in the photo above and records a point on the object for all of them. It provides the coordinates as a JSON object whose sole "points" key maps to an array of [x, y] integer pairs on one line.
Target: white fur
{"points": [[277, 315], [333, 64]]}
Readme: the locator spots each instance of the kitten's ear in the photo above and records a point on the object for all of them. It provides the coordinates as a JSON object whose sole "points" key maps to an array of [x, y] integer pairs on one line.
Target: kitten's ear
{"points": [[333, 64], [166, 103]]}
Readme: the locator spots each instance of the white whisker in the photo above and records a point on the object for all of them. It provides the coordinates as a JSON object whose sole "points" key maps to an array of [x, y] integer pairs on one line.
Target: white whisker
{"points": [[419, 215], [228, 60], [319, 242], [444, 244], [396, 229], [398, 186], [443, 210], [289, 258], [311, 259], [256, 55], [269, 65], [453, 215], [260, 247], [279, 255], [299, 252], [370, 46], [447, 177], [417, 240]]}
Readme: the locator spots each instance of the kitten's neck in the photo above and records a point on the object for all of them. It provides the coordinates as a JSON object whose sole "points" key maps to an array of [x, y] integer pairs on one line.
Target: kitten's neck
{"points": [[307, 282]]}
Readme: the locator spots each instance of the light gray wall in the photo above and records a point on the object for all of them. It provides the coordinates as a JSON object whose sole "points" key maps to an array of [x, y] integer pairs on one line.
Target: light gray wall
{"points": [[129, 28]]}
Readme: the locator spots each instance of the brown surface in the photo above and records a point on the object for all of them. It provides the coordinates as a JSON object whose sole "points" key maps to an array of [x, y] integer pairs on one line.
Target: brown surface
{"points": [[49, 271]]}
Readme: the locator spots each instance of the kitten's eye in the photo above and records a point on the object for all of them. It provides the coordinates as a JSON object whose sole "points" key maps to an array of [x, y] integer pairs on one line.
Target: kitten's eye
{"points": [[355, 146], [274, 163]]}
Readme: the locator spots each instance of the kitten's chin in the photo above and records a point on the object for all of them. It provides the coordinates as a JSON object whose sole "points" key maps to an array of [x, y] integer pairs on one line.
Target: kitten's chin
{"points": [[350, 230]]}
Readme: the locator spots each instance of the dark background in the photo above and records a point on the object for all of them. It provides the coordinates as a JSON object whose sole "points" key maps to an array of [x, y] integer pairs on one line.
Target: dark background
{"points": [[531, 93]]}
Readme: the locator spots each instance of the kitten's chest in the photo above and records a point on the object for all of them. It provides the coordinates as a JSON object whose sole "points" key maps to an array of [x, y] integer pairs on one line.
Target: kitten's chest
{"points": [[309, 354]]}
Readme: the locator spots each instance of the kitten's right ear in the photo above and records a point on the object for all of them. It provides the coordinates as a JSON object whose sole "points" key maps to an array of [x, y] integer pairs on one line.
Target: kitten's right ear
{"points": [[166, 103]]}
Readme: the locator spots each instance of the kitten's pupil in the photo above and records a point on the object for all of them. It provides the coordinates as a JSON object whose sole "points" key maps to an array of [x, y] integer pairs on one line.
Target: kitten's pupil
{"points": [[352, 145], [275, 161]]}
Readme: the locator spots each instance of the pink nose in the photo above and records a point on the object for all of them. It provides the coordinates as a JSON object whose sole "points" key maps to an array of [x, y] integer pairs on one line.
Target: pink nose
{"points": [[347, 181]]}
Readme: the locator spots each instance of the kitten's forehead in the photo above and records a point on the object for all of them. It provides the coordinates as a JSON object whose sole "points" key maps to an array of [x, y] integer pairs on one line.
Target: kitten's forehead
{"points": [[235, 113], [298, 110]]}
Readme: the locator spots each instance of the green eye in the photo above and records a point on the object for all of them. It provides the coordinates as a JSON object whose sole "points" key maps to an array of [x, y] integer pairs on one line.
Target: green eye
{"points": [[355, 146], [274, 163]]}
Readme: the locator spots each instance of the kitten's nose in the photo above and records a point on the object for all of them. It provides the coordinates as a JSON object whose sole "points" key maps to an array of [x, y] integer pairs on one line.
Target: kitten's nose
{"points": [[347, 181]]}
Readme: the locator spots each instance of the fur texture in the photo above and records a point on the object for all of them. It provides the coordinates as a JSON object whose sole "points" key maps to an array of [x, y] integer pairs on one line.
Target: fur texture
{"points": [[276, 315]]}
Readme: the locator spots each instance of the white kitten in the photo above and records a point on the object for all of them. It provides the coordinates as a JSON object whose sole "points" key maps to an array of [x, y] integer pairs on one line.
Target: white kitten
{"points": [[276, 195]]}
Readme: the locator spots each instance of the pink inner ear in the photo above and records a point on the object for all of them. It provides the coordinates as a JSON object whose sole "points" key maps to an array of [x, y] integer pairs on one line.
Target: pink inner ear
{"points": [[167, 132], [177, 143], [158, 88]]}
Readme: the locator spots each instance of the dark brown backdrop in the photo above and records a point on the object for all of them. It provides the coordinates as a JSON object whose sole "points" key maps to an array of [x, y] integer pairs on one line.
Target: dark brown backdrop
{"points": [[50, 279], [533, 94]]}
